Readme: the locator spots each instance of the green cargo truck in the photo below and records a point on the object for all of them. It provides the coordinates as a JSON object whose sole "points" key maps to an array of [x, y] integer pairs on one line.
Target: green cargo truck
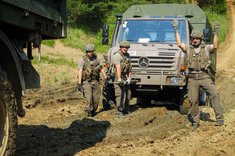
{"points": [[23, 25], [158, 65]]}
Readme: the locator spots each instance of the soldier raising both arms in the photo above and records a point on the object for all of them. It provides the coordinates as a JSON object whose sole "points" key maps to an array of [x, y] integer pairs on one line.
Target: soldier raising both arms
{"points": [[89, 68], [198, 59]]}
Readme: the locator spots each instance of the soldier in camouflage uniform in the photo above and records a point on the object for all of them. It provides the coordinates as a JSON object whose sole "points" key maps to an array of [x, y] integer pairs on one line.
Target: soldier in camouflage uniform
{"points": [[89, 68], [122, 71], [198, 62]]}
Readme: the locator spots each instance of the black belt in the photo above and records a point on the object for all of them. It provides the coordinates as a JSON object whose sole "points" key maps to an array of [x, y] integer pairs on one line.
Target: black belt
{"points": [[197, 75], [92, 78]]}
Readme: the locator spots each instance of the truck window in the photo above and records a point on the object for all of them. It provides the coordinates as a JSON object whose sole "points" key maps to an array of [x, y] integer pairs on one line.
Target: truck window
{"points": [[151, 30]]}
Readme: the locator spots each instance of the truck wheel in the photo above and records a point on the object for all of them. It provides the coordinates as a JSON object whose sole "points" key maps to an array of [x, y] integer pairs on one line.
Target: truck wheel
{"points": [[184, 104], [8, 118]]}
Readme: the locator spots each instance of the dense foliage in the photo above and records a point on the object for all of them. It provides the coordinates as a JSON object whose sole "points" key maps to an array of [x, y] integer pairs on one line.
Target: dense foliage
{"points": [[93, 13]]}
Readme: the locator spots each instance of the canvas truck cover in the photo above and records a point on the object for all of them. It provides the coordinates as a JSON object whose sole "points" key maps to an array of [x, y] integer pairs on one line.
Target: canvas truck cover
{"points": [[195, 14], [47, 16]]}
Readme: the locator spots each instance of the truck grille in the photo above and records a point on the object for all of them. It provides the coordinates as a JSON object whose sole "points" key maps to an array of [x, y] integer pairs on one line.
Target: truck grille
{"points": [[163, 61]]}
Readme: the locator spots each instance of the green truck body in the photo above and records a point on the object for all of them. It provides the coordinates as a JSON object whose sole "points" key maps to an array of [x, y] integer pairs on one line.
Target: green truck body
{"points": [[49, 17], [23, 25]]}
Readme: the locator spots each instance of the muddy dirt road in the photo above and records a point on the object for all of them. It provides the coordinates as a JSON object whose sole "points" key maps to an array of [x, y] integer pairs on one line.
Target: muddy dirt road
{"points": [[56, 125]]}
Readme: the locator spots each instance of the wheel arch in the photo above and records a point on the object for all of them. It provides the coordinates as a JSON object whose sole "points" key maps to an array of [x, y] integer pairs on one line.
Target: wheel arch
{"points": [[10, 63]]}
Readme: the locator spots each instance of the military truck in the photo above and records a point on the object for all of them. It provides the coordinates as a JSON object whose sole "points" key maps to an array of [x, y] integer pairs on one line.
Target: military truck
{"points": [[158, 65], [23, 25]]}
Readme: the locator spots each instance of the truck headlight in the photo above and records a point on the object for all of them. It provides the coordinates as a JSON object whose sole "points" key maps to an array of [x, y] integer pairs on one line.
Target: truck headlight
{"points": [[174, 80]]}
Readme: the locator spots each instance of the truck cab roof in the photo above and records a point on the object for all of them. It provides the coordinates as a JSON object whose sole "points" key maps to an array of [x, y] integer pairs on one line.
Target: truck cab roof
{"points": [[195, 15]]}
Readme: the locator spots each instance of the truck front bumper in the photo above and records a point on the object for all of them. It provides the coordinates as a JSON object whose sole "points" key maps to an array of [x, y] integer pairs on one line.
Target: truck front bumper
{"points": [[160, 80]]}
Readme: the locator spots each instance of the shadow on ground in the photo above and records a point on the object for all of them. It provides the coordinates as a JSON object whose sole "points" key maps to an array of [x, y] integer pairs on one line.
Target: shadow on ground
{"points": [[40, 140]]}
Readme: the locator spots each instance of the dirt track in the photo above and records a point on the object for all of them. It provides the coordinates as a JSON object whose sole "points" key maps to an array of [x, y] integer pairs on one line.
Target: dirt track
{"points": [[55, 123]]}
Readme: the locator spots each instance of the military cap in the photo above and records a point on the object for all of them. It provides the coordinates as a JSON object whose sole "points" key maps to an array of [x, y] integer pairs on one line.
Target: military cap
{"points": [[124, 44], [196, 34], [90, 47]]}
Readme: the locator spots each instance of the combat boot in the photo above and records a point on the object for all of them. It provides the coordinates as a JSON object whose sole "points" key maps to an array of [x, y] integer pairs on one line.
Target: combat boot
{"points": [[112, 105], [119, 114], [91, 114], [219, 122], [21, 112], [125, 112], [195, 125]]}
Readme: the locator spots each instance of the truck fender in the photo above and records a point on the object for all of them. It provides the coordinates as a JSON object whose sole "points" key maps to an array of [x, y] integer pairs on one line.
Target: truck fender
{"points": [[11, 65]]}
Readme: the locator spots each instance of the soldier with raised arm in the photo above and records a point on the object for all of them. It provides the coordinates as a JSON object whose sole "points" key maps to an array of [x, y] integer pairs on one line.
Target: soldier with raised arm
{"points": [[198, 61]]}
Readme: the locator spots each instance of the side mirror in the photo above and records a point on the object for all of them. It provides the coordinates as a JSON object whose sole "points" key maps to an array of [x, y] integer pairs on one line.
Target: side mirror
{"points": [[105, 34], [206, 34]]}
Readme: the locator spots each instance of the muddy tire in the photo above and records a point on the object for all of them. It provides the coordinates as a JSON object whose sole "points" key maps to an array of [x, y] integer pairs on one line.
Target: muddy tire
{"points": [[8, 118]]}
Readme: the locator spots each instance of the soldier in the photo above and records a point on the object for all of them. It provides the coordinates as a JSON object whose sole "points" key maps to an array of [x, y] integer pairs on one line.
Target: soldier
{"points": [[122, 71], [198, 61], [89, 68]]}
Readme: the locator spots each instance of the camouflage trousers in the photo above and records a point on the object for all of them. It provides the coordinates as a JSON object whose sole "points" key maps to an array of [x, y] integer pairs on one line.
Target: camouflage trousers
{"points": [[193, 93], [91, 93], [123, 96]]}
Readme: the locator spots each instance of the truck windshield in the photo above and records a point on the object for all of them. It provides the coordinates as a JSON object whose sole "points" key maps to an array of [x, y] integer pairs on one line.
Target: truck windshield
{"points": [[152, 30]]}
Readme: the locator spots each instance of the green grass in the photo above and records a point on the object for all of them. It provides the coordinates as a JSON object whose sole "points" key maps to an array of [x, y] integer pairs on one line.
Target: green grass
{"points": [[223, 19], [49, 43], [79, 37], [60, 78], [56, 61]]}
